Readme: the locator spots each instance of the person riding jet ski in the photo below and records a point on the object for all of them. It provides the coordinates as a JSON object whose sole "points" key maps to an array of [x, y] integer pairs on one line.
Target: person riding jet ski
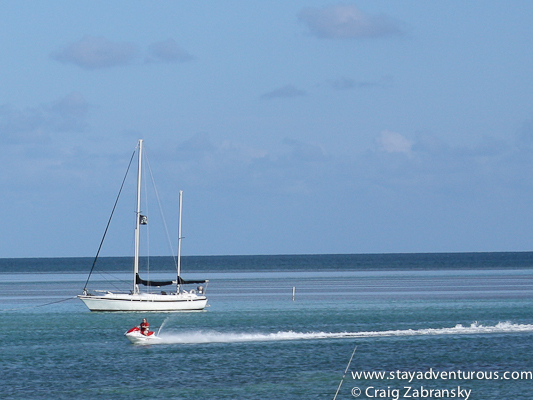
{"points": [[145, 327]]}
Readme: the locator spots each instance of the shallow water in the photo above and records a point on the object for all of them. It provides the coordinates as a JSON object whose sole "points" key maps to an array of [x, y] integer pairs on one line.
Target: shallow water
{"points": [[255, 342]]}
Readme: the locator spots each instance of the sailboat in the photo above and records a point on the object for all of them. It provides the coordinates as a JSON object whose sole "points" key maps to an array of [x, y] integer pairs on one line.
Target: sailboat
{"points": [[136, 299]]}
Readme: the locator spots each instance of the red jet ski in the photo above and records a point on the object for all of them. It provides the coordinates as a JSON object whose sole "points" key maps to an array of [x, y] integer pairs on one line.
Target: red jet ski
{"points": [[135, 336]]}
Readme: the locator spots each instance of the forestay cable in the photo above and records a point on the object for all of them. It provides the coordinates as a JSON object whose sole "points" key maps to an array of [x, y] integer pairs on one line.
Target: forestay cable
{"points": [[109, 221]]}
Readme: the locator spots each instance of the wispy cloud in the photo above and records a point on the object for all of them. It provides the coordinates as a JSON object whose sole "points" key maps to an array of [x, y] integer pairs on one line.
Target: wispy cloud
{"points": [[167, 51], [286, 91], [429, 165], [34, 124], [20, 126], [424, 165], [397, 162], [345, 21], [99, 52], [348, 84], [96, 52], [69, 112], [291, 166]]}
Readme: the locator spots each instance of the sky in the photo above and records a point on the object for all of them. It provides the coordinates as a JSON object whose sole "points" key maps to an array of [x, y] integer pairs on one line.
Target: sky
{"points": [[293, 127]]}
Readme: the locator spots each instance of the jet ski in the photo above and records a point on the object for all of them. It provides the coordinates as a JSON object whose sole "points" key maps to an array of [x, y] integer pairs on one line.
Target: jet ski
{"points": [[135, 336]]}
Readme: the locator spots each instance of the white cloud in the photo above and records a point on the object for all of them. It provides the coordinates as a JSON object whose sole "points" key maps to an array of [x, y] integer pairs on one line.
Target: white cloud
{"points": [[344, 21], [306, 152], [96, 52], [393, 142]]}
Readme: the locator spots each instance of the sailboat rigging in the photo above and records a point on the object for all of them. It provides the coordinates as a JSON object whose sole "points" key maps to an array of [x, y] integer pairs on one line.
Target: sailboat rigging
{"points": [[136, 299]]}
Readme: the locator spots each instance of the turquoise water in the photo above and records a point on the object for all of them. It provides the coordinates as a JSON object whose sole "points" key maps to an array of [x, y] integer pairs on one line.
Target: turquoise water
{"points": [[405, 313]]}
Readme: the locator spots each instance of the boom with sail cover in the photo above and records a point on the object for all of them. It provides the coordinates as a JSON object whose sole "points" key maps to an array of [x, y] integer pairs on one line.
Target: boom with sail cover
{"points": [[140, 281], [184, 282], [180, 281]]}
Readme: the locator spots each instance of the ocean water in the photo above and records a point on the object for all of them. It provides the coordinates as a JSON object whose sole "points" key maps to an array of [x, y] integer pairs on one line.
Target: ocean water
{"points": [[435, 326]]}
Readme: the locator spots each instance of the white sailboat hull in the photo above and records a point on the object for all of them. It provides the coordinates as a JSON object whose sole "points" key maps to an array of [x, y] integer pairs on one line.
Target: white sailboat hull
{"points": [[145, 302]]}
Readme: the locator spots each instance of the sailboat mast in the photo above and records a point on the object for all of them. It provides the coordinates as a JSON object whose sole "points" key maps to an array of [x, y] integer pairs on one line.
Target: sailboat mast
{"points": [[179, 240], [137, 220]]}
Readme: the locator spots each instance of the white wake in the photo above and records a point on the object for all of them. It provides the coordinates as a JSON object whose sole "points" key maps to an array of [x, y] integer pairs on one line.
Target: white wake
{"points": [[190, 337]]}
